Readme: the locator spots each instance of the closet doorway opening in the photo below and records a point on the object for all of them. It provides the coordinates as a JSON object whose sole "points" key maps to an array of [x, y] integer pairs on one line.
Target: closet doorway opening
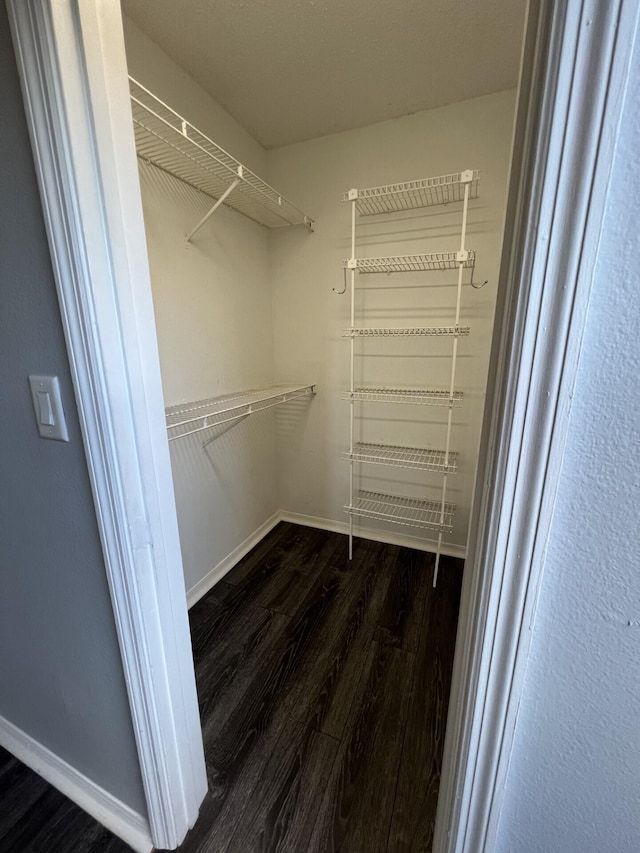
{"points": [[324, 227]]}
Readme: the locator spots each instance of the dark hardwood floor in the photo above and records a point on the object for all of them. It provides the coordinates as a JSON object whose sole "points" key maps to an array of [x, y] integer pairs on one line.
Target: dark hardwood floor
{"points": [[35, 817], [323, 687]]}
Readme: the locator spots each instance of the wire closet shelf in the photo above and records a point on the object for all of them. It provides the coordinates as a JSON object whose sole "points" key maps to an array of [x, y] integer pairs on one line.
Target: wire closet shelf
{"points": [[401, 510], [422, 458], [171, 143], [385, 331], [410, 195], [190, 418], [422, 397], [431, 262]]}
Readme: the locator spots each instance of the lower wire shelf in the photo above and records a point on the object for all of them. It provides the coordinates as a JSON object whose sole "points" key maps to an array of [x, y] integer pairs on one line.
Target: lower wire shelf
{"points": [[411, 512], [423, 458], [190, 418]]}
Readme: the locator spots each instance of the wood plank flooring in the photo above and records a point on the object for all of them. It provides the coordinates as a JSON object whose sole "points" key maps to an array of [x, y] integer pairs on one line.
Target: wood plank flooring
{"points": [[323, 687]]}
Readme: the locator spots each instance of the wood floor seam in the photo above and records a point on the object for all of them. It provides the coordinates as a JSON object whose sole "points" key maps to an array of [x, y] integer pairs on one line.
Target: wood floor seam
{"points": [[402, 748]]}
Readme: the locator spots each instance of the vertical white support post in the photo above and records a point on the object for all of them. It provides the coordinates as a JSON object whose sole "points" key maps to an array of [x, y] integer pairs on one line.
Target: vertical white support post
{"points": [[351, 377], [462, 257]]}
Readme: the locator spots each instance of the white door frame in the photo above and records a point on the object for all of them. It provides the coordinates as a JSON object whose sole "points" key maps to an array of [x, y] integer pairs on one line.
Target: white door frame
{"points": [[575, 72], [73, 72], [78, 113]]}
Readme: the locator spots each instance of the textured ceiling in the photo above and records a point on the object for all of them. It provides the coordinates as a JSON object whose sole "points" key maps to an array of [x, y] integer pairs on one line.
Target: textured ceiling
{"points": [[289, 70]]}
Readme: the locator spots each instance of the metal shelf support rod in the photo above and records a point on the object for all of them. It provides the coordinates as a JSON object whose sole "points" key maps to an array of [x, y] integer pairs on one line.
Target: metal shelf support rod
{"points": [[351, 371], [454, 356], [220, 201]]}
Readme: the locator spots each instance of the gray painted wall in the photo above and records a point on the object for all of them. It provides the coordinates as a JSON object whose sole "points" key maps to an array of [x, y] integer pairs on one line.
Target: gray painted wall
{"points": [[574, 780], [61, 678]]}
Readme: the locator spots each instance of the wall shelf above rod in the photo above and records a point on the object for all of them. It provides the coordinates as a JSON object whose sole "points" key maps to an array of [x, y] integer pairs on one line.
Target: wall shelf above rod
{"points": [[410, 195], [168, 141], [190, 418]]}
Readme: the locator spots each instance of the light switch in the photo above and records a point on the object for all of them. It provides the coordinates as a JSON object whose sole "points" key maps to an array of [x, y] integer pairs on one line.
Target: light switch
{"points": [[46, 412], [47, 404]]}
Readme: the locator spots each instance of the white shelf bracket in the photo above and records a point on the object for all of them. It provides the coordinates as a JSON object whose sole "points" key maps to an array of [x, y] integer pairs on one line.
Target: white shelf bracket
{"points": [[225, 428], [227, 192]]}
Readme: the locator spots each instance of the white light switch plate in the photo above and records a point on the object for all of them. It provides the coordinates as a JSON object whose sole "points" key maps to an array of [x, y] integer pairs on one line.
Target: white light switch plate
{"points": [[47, 404]]}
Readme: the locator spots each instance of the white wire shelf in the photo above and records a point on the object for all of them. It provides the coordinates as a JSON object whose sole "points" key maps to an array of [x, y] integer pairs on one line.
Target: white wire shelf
{"points": [[434, 261], [437, 331], [194, 417], [423, 458], [168, 141], [425, 192], [400, 510], [423, 397]]}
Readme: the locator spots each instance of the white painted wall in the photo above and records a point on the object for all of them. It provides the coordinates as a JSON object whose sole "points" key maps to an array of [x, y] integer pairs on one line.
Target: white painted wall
{"points": [[309, 318], [212, 304], [573, 784]]}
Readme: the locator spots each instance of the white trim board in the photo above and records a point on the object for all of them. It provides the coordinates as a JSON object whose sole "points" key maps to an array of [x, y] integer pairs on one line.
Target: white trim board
{"points": [[217, 573], [73, 73], [574, 78], [100, 804], [388, 537]]}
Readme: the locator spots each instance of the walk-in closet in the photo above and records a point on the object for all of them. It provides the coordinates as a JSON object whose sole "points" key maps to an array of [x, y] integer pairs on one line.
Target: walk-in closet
{"points": [[324, 189]]}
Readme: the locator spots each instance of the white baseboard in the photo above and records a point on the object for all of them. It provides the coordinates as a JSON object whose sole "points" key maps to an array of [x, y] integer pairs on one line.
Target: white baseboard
{"points": [[377, 535], [224, 566], [112, 813]]}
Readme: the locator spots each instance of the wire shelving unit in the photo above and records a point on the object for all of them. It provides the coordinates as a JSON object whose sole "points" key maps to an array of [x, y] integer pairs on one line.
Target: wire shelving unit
{"points": [[401, 510], [422, 458], [457, 187], [171, 143], [201, 415]]}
